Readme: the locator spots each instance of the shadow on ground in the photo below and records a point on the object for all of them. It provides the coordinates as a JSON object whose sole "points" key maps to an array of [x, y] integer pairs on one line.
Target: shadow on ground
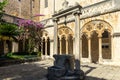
{"points": [[90, 69], [93, 78], [23, 72]]}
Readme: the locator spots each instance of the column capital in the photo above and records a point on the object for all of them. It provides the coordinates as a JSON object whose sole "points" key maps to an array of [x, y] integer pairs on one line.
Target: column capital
{"points": [[55, 20], [45, 40], [99, 36], [89, 37], [60, 38], [77, 13], [66, 37]]}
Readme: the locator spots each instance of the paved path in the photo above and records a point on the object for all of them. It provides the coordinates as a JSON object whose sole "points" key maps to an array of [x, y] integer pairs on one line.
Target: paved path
{"points": [[101, 72], [27, 71], [38, 70]]}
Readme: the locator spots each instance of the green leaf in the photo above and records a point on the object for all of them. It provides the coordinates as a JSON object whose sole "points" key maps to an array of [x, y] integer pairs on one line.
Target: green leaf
{"points": [[9, 30]]}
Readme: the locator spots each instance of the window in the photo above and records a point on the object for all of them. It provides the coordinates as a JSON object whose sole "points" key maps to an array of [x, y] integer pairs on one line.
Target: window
{"points": [[46, 3]]}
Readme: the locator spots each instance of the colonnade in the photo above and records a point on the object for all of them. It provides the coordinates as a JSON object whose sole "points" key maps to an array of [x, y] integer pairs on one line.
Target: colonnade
{"points": [[66, 42], [45, 46], [100, 43]]}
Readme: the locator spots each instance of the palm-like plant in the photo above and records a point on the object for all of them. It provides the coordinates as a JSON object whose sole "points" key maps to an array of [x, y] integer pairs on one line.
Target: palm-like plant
{"points": [[8, 32]]}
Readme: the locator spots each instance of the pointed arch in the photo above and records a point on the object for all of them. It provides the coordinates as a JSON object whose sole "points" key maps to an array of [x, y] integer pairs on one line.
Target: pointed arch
{"points": [[98, 33], [44, 33], [65, 31], [65, 41], [96, 25]]}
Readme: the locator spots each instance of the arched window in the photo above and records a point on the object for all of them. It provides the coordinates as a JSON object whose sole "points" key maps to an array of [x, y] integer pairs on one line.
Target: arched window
{"points": [[46, 3], [106, 45]]}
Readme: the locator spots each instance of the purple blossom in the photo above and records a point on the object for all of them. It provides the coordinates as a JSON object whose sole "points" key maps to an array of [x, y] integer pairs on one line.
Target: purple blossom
{"points": [[29, 23]]}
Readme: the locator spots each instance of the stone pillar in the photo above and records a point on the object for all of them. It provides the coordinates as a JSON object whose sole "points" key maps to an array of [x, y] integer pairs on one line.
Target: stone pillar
{"points": [[13, 46], [55, 49], [80, 49], [73, 45], [77, 40], [60, 45], [112, 46], [66, 45], [100, 49], [89, 48]]}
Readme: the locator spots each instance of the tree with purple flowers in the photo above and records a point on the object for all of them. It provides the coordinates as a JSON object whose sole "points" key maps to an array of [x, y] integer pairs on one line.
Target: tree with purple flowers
{"points": [[31, 33]]}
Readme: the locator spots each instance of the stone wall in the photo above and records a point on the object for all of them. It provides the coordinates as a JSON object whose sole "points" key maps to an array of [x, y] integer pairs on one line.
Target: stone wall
{"points": [[57, 5], [23, 8]]}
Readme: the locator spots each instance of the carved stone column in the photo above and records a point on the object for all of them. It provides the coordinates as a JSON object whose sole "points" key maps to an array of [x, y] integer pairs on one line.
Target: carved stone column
{"points": [[60, 45], [89, 48], [100, 49], [55, 49], [80, 48], [112, 47], [66, 45], [77, 40], [73, 45]]}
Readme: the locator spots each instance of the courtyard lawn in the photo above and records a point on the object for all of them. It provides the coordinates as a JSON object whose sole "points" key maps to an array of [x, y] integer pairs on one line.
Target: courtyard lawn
{"points": [[12, 58], [22, 57]]}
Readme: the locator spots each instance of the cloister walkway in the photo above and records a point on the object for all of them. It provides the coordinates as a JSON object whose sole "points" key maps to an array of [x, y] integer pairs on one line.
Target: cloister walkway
{"points": [[38, 70]]}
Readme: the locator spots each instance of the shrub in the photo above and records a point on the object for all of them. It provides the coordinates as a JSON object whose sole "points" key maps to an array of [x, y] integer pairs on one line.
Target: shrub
{"points": [[34, 53], [39, 54], [21, 53]]}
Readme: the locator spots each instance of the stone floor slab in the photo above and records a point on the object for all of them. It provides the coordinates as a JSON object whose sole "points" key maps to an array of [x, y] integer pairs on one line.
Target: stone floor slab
{"points": [[38, 71]]}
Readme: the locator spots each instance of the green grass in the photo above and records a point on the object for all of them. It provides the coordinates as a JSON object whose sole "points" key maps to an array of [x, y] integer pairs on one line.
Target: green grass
{"points": [[20, 57]]}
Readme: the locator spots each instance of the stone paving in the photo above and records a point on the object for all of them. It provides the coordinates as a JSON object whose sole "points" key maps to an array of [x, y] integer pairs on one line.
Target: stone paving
{"points": [[101, 72], [38, 70]]}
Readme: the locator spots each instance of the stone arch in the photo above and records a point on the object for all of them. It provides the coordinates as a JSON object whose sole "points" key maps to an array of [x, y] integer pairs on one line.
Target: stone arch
{"points": [[94, 47], [45, 42], [94, 32], [65, 41], [70, 44], [96, 25], [106, 45], [64, 30], [44, 33], [85, 49]]}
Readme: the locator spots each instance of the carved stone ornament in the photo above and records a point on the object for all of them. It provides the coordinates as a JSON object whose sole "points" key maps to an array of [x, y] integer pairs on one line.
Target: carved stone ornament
{"points": [[65, 4]]}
